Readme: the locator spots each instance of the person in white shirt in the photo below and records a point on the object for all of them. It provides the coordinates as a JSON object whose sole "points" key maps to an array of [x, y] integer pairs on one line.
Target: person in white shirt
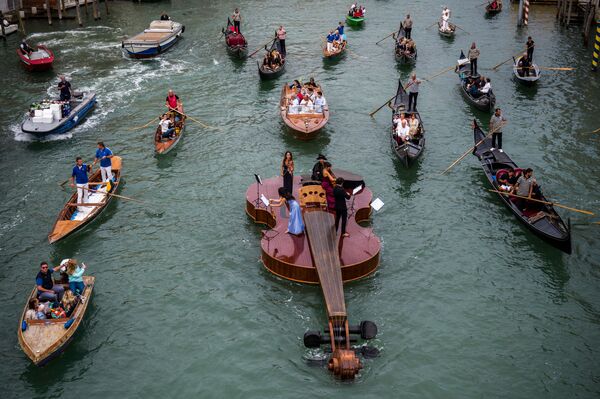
{"points": [[320, 102], [165, 127], [294, 104], [487, 87], [307, 105], [445, 18], [403, 131]]}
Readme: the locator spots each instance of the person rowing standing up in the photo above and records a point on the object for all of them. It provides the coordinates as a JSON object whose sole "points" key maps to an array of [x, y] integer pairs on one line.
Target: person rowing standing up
{"points": [[407, 24], [104, 155], [340, 30], [79, 179], [174, 103], [330, 38], [237, 19], [281, 33], [445, 19], [65, 88], [413, 92], [473, 55], [530, 47], [496, 122]]}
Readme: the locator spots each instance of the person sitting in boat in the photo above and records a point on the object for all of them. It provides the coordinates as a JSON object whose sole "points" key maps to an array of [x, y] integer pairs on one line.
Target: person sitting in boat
{"points": [[472, 88], [312, 83], [295, 223], [26, 48], [41, 313], [294, 104], [268, 61], [359, 12], [79, 179], [337, 40], [164, 16], [275, 59], [526, 186], [524, 66], [295, 84], [494, 5], [32, 306], [340, 30], [46, 289], [402, 44], [75, 273], [330, 38], [411, 47], [307, 105], [104, 155], [69, 303], [507, 181], [65, 88], [320, 102], [166, 128], [413, 127], [351, 11], [402, 131], [486, 88]]}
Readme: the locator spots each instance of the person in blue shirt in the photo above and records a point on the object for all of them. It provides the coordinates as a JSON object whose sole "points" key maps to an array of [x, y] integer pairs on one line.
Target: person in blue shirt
{"points": [[340, 30], [104, 154], [46, 289], [79, 178], [330, 37]]}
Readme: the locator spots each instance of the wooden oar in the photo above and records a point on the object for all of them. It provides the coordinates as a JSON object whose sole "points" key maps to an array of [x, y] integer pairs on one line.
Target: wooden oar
{"points": [[195, 120], [462, 29], [385, 37], [504, 62], [440, 73], [543, 202], [261, 46], [554, 69], [473, 148], [384, 104], [114, 195], [153, 120], [435, 23], [593, 131]]}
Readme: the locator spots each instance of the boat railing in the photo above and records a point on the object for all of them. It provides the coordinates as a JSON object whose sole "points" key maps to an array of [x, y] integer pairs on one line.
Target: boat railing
{"points": [[305, 109]]}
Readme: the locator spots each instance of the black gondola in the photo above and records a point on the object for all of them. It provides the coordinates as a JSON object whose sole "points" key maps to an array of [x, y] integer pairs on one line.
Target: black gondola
{"points": [[543, 221], [527, 80], [268, 73], [409, 151], [402, 56], [485, 102], [237, 44]]}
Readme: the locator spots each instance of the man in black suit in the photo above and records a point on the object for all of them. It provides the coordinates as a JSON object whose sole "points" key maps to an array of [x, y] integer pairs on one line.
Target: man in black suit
{"points": [[317, 170], [341, 211]]}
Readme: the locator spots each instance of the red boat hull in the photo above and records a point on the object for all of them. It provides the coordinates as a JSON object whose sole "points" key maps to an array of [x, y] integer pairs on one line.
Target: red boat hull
{"points": [[40, 64]]}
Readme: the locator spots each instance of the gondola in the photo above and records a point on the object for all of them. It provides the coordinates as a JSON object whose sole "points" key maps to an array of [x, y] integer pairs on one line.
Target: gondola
{"points": [[163, 146], [43, 340], [485, 102], [403, 57], [268, 73], [70, 219], [304, 123], [534, 74], [489, 11], [409, 151], [447, 33], [237, 45], [39, 60], [544, 221], [336, 53]]}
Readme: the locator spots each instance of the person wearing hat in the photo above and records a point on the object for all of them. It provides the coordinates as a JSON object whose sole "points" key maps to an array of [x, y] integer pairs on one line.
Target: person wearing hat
{"points": [[46, 289], [317, 170]]}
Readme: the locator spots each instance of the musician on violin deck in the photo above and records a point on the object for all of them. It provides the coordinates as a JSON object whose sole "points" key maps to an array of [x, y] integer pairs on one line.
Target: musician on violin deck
{"points": [[295, 223], [317, 170]]}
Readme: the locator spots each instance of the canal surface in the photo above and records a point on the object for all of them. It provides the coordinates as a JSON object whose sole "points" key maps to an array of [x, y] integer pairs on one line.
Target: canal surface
{"points": [[468, 302]]}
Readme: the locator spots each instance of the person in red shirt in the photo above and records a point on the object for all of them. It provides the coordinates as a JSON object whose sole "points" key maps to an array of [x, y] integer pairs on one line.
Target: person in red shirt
{"points": [[174, 103]]}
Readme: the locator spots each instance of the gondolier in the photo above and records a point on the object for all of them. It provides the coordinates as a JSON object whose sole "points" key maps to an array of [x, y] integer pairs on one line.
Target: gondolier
{"points": [[473, 55], [530, 47], [496, 122], [104, 154], [65, 88], [408, 23], [413, 92], [79, 178], [237, 19], [281, 33]]}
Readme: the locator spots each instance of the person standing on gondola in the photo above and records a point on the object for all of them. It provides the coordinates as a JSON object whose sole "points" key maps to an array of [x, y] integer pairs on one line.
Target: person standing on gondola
{"points": [[287, 171], [341, 210], [237, 19], [317, 170], [407, 24], [496, 122], [164, 16], [413, 92], [530, 47], [473, 55], [79, 179], [281, 33]]}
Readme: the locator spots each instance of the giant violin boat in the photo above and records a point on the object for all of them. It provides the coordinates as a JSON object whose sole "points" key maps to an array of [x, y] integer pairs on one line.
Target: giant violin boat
{"points": [[321, 256]]}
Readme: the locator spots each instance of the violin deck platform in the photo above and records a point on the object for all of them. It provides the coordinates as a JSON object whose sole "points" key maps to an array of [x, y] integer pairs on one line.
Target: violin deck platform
{"points": [[289, 256]]}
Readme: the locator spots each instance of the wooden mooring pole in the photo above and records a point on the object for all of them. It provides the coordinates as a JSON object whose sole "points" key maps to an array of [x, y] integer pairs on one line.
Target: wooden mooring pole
{"points": [[106, 6], [596, 54], [49, 12], [59, 7], [78, 12]]}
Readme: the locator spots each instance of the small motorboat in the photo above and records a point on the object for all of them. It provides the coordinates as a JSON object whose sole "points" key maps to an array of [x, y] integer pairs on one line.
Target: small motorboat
{"points": [[57, 117], [9, 28], [157, 39], [39, 60]]}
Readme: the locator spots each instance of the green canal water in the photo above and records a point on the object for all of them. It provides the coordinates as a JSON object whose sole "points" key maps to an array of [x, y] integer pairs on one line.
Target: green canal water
{"points": [[469, 304]]}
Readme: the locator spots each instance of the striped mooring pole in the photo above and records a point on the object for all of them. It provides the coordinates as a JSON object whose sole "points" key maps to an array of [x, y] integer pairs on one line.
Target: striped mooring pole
{"points": [[526, 12], [596, 47]]}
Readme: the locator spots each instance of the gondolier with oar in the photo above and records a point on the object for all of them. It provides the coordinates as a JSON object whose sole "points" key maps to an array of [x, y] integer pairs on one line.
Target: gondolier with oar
{"points": [[407, 24], [79, 179], [104, 154], [281, 33], [174, 104], [496, 122]]}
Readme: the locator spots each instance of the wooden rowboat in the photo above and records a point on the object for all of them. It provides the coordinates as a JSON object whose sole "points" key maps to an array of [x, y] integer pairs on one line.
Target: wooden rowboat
{"points": [[336, 52], [70, 219], [163, 146], [305, 123], [267, 73], [39, 60], [485, 102], [43, 340], [493, 11], [543, 221], [534, 74], [407, 152], [447, 33], [237, 45], [403, 56], [354, 21]]}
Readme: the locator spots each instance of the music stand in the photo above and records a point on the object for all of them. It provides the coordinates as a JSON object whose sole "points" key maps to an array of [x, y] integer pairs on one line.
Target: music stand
{"points": [[259, 183], [354, 192]]}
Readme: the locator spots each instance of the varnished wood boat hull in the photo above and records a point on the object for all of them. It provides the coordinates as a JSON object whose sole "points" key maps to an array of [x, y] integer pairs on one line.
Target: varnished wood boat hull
{"points": [[164, 147], [304, 126], [44, 340]]}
